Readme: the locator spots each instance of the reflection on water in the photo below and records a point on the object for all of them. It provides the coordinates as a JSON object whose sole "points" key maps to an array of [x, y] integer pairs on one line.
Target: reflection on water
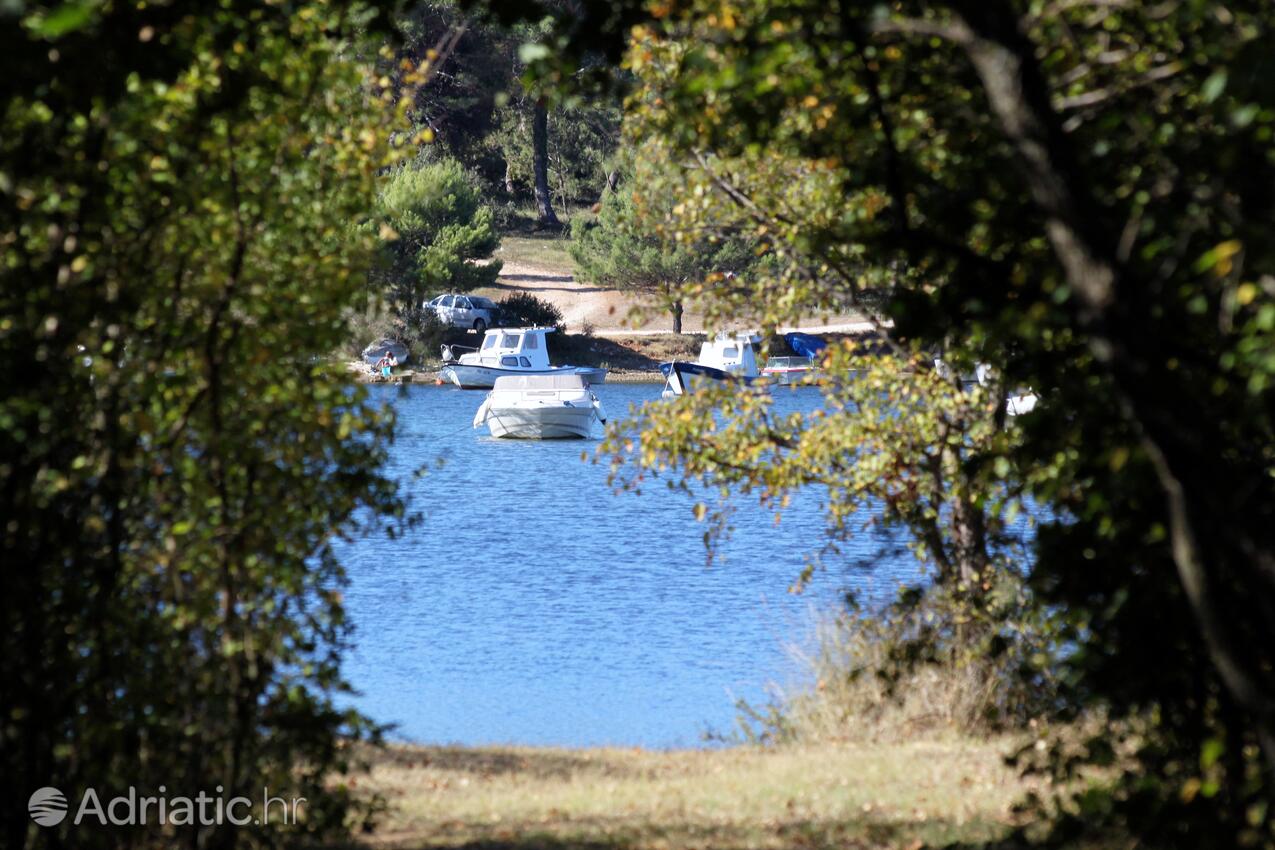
{"points": [[534, 605]]}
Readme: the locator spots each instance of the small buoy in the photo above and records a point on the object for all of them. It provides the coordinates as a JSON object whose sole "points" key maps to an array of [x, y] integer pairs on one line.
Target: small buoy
{"points": [[438, 382]]}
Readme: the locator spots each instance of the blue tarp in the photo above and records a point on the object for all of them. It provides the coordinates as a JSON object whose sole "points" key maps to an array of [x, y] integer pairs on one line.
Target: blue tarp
{"points": [[806, 345]]}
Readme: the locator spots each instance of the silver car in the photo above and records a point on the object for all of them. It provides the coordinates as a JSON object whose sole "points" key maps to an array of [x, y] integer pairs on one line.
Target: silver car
{"points": [[464, 311]]}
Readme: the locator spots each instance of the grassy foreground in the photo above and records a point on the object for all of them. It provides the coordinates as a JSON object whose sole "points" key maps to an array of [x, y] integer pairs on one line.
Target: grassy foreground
{"points": [[899, 795]]}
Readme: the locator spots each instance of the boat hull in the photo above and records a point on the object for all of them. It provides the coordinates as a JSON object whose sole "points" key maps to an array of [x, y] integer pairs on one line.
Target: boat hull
{"points": [[682, 377], [785, 377], [540, 422], [468, 376]]}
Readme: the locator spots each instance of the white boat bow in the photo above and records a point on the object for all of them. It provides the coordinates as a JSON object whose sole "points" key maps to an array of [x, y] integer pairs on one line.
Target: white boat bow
{"points": [[540, 407]]}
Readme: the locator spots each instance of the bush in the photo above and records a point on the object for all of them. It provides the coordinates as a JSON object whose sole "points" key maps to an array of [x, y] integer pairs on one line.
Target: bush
{"points": [[929, 662], [420, 330], [524, 310], [423, 333]]}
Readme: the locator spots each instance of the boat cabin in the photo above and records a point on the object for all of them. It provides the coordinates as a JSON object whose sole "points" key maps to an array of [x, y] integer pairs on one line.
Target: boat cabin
{"points": [[512, 348], [540, 384], [731, 353]]}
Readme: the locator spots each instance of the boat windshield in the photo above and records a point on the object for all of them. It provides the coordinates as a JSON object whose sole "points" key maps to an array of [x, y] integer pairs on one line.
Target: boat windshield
{"points": [[509, 340], [490, 341]]}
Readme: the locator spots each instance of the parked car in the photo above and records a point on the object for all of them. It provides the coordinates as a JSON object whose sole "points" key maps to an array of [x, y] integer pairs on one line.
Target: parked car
{"points": [[465, 311]]}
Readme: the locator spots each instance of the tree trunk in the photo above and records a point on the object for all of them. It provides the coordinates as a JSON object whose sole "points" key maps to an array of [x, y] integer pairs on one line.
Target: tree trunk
{"points": [[1220, 538], [613, 180], [509, 178], [677, 317], [540, 165]]}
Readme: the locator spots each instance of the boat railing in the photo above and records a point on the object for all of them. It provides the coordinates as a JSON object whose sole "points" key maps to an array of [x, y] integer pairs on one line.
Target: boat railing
{"points": [[448, 351]]}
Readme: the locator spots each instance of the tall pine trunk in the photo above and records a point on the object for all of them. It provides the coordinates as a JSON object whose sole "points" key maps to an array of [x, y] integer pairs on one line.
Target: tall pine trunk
{"points": [[677, 317], [540, 165]]}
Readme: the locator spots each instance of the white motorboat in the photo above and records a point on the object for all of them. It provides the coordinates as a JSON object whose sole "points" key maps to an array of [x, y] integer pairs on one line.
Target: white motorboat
{"points": [[540, 407], [509, 352], [1021, 403], [725, 358], [786, 371]]}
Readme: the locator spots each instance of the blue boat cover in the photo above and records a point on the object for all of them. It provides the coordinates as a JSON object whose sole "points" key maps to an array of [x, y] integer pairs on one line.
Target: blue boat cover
{"points": [[806, 345]]}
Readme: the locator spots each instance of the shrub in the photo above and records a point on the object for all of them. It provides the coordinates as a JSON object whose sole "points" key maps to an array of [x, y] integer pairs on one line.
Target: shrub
{"points": [[522, 309], [423, 333], [928, 662], [420, 330]]}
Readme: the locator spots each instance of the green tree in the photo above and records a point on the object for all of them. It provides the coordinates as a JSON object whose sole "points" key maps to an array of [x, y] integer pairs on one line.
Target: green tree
{"points": [[437, 227], [478, 69], [479, 111], [176, 187], [580, 141], [623, 247], [1079, 193]]}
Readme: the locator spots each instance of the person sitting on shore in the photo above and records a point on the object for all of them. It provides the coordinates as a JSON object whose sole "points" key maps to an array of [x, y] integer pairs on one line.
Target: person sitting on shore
{"points": [[384, 365]]}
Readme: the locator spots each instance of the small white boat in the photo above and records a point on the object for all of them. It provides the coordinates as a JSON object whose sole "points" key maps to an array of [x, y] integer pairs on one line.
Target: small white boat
{"points": [[787, 370], [1017, 403], [725, 358], [1021, 403], [540, 407], [509, 352]]}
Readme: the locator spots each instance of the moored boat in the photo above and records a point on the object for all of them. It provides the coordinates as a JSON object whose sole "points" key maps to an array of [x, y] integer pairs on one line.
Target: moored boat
{"points": [[509, 352], [540, 407], [725, 358], [787, 370]]}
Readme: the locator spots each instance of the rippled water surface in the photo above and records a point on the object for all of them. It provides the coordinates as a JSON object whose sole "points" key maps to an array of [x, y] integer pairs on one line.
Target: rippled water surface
{"points": [[534, 605]]}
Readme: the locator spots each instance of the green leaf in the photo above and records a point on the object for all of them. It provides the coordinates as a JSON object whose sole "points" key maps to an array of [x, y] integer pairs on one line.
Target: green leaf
{"points": [[1211, 751], [1214, 86], [532, 52], [66, 18]]}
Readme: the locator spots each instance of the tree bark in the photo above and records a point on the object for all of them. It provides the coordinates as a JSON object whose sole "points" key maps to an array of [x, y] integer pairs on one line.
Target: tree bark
{"points": [[677, 317], [509, 178], [540, 165]]}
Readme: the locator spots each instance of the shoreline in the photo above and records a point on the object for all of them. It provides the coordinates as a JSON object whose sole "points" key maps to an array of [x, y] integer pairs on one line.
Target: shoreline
{"points": [[430, 377]]}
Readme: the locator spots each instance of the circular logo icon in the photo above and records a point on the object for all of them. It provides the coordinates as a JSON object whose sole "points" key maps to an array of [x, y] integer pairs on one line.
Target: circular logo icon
{"points": [[47, 807]]}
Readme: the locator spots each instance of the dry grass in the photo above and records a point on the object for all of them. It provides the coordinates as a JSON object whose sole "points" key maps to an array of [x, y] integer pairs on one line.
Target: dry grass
{"points": [[548, 253], [955, 696], [903, 795]]}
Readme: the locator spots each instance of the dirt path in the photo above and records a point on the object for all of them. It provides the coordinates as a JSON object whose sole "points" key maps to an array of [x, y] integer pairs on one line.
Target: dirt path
{"points": [[608, 311], [545, 271]]}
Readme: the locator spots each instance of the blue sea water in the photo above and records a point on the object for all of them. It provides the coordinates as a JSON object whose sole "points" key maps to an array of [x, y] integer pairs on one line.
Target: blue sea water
{"points": [[536, 605]]}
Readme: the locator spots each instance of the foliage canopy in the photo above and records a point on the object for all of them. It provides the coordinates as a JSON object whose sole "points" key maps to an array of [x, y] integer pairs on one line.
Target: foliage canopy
{"points": [[623, 246], [1080, 194], [175, 462], [437, 225]]}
